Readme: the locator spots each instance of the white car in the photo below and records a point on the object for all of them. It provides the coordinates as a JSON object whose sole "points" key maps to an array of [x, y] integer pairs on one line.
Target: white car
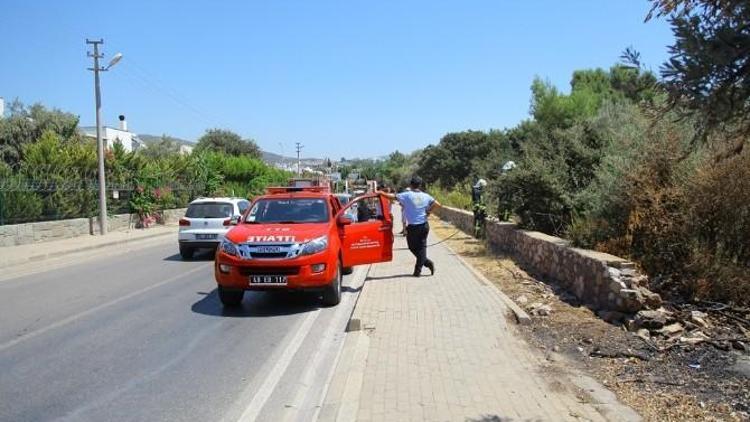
{"points": [[206, 222]]}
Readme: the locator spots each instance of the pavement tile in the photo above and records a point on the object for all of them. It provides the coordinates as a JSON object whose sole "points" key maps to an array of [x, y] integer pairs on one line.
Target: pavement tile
{"points": [[443, 349]]}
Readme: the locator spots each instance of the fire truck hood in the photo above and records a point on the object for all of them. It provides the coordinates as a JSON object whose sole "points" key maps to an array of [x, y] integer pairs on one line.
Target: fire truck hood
{"points": [[276, 233]]}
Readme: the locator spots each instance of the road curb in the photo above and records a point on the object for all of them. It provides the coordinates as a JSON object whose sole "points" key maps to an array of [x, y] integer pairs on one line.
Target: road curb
{"points": [[57, 254], [521, 316], [359, 348], [342, 389], [355, 319]]}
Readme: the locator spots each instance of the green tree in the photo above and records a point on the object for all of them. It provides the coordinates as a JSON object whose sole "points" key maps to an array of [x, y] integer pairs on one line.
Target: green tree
{"points": [[455, 158], [708, 73], [163, 147], [228, 142], [25, 125], [63, 173]]}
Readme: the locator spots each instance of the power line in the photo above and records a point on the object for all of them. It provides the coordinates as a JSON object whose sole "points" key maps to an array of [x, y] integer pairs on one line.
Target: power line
{"points": [[171, 92], [138, 75]]}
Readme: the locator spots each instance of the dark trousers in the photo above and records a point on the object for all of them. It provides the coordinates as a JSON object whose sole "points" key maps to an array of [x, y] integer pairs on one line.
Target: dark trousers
{"points": [[416, 238]]}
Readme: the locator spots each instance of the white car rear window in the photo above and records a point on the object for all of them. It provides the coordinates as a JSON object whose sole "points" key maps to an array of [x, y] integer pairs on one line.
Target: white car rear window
{"points": [[210, 210]]}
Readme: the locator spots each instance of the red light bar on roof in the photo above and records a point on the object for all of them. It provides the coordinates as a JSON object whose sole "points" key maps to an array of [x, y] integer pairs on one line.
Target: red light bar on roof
{"points": [[291, 189]]}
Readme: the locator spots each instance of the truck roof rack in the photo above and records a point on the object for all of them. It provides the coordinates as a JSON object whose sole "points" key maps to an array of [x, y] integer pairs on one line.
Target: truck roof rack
{"points": [[291, 189]]}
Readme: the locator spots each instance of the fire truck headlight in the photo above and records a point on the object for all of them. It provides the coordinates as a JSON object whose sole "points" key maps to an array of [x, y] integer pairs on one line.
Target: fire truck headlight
{"points": [[228, 248], [314, 246]]}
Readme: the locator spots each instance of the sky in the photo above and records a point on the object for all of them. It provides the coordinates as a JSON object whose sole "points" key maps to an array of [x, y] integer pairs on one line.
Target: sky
{"points": [[344, 78]]}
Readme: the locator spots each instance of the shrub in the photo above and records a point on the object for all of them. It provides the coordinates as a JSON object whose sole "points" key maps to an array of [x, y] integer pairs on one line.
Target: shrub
{"points": [[19, 207], [458, 197], [718, 210], [535, 193]]}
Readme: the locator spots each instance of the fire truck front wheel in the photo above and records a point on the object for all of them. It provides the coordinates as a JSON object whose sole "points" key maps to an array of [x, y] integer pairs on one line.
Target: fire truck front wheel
{"points": [[332, 292], [230, 297]]}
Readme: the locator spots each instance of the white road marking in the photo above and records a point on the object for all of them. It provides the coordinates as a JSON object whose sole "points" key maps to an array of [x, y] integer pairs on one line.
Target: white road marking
{"points": [[95, 309], [304, 405], [272, 379]]}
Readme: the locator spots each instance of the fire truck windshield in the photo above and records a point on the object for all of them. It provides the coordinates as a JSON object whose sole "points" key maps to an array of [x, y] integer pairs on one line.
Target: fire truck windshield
{"points": [[288, 211]]}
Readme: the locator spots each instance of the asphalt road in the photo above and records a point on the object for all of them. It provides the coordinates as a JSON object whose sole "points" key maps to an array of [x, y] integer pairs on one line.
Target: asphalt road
{"points": [[134, 333]]}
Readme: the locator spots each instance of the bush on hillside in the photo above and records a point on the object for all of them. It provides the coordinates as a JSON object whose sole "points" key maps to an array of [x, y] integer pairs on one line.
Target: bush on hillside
{"points": [[458, 197], [718, 210]]}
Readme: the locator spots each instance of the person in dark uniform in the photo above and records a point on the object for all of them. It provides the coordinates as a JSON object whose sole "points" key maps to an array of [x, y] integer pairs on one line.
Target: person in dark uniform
{"points": [[479, 208], [417, 206], [363, 211]]}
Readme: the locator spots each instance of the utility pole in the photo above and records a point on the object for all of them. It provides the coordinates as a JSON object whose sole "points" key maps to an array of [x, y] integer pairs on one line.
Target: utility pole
{"points": [[99, 142], [299, 147]]}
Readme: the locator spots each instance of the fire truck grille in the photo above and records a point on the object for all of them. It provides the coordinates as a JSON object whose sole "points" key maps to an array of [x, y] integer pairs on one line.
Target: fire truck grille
{"points": [[269, 270]]}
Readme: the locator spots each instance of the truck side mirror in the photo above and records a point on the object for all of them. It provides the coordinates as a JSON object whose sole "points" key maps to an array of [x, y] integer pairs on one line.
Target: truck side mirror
{"points": [[343, 220]]}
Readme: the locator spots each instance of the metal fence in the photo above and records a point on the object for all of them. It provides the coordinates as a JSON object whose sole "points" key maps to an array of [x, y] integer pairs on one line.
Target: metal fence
{"points": [[31, 200]]}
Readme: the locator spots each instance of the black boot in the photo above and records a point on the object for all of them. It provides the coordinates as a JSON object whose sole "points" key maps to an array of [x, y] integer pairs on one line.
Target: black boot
{"points": [[431, 266]]}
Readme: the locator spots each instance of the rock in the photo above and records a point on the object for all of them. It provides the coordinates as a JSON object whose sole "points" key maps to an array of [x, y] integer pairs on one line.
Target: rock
{"points": [[627, 272], [623, 264], [739, 345], [742, 366], [652, 300], [699, 318], [698, 314], [522, 299], [615, 286], [614, 273], [611, 316], [695, 338], [643, 333], [632, 300], [672, 329], [555, 348], [540, 309], [631, 325], [544, 310], [745, 331], [652, 320]]}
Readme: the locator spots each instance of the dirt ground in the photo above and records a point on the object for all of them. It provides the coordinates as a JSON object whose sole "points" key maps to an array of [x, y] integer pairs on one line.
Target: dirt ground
{"points": [[698, 382]]}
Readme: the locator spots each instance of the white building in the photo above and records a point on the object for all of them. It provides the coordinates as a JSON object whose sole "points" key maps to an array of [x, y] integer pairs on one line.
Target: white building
{"points": [[186, 149], [110, 135]]}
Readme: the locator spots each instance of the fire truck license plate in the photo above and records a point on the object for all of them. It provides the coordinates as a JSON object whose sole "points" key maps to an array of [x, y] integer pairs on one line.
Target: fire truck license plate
{"points": [[268, 279]]}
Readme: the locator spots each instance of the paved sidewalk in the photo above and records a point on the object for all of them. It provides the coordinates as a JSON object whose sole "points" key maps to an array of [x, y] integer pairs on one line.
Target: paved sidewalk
{"points": [[442, 347], [14, 255]]}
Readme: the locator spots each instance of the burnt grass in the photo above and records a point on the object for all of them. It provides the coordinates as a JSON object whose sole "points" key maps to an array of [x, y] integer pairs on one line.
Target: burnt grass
{"points": [[660, 379]]}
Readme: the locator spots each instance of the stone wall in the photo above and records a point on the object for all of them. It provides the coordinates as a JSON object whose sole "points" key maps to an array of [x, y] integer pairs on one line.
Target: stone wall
{"points": [[605, 282], [21, 234]]}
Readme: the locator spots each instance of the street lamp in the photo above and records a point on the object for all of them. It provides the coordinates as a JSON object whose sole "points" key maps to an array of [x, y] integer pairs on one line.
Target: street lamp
{"points": [[99, 142], [115, 59]]}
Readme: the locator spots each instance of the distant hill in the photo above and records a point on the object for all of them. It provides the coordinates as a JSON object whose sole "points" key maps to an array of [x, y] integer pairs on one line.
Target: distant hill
{"points": [[268, 157], [272, 158], [147, 139]]}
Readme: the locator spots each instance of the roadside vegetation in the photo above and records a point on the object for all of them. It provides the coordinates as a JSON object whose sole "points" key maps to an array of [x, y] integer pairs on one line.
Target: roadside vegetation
{"points": [[48, 170], [645, 166]]}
